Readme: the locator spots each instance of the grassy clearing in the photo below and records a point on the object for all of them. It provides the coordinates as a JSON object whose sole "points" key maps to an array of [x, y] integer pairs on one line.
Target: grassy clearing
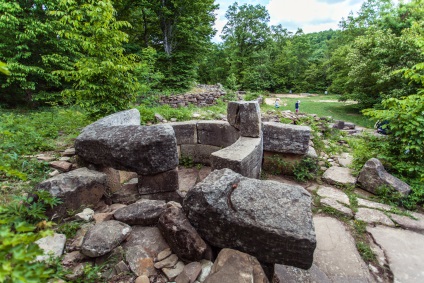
{"points": [[325, 105]]}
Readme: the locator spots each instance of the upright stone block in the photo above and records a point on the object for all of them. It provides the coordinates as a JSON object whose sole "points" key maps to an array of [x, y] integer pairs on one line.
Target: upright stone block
{"points": [[216, 133], [285, 138], [185, 132], [246, 117], [199, 153], [244, 157], [158, 183]]}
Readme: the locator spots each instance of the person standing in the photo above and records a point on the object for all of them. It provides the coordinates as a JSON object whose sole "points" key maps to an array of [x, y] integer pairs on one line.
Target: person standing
{"points": [[296, 106], [277, 103]]}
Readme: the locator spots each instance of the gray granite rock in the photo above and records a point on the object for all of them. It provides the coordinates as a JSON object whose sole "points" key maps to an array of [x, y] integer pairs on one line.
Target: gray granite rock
{"points": [[145, 150], [189, 273], [330, 192], [128, 193], [173, 272], [216, 133], [142, 247], [333, 203], [158, 183], [267, 219], [104, 237], [285, 138], [406, 222], [76, 189], [144, 212], [244, 157], [290, 274], [169, 262], [127, 117], [373, 175], [52, 246], [246, 117], [185, 132], [182, 237], [237, 267]]}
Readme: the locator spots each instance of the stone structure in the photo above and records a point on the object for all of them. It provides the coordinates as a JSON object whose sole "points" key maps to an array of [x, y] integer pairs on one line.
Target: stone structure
{"points": [[205, 95]]}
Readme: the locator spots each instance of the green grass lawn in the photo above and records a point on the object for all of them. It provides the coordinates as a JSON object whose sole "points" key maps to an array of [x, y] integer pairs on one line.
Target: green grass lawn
{"points": [[321, 105]]}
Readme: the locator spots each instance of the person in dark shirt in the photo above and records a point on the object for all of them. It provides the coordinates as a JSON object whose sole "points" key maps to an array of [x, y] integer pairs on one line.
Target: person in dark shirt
{"points": [[296, 106]]}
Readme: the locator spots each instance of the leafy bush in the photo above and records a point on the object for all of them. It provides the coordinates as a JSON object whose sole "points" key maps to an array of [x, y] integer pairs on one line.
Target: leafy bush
{"points": [[306, 169], [22, 223]]}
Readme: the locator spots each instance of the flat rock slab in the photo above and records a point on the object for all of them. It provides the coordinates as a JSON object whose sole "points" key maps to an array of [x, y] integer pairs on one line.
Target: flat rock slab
{"points": [[404, 250], [329, 192], [408, 223], [330, 202], [199, 153], [338, 176], [336, 254], [144, 212], [373, 216], [216, 133], [372, 204], [285, 138]]}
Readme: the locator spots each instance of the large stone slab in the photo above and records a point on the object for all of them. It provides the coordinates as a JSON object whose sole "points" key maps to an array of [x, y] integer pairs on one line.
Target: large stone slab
{"points": [[416, 224], [246, 117], [336, 254], [145, 150], [199, 153], [244, 157], [52, 246], [373, 176], [269, 220], [78, 188], [373, 216], [217, 133], [185, 132], [236, 267], [286, 138], [404, 250], [338, 176]]}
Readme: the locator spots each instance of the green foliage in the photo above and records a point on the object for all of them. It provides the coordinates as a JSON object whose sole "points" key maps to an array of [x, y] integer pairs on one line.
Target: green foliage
{"points": [[22, 223], [105, 79], [306, 169], [4, 69], [21, 134], [365, 251], [186, 161], [147, 113]]}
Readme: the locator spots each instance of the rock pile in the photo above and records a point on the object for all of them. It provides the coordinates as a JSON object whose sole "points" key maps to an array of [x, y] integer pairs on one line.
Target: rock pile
{"points": [[204, 95]]}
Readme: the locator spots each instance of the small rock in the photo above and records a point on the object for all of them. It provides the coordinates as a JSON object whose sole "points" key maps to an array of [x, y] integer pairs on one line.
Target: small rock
{"points": [[173, 119], [44, 157], [69, 152], [65, 158], [171, 273], [86, 215], [206, 269], [54, 173], [169, 262], [190, 272], [52, 246], [76, 272], [159, 117], [142, 279], [100, 217], [373, 216], [72, 258], [121, 267], [62, 166]]}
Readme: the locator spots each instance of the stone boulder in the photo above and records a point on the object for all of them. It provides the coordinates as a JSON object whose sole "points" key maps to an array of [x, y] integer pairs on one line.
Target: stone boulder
{"points": [[182, 237], [127, 117], [373, 176], [236, 267], [285, 138], [267, 219], [185, 132], [246, 117], [104, 237], [145, 150], [76, 189], [336, 175], [244, 157], [144, 212], [216, 133]]}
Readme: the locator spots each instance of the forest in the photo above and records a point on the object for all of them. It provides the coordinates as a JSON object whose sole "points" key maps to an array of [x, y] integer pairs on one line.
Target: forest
{"points": [[65, 63]]}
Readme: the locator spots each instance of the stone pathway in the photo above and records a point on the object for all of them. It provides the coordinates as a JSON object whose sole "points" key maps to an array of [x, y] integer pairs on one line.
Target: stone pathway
{"points": [[336, 258]]}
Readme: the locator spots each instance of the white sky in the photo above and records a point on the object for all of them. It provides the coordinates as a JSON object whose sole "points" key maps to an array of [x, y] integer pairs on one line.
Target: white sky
{"points": [[310, 15]]}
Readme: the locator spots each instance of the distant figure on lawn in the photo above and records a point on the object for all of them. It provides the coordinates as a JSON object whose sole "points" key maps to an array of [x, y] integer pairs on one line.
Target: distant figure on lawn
{"points": [[296, 106], [277, 103]]}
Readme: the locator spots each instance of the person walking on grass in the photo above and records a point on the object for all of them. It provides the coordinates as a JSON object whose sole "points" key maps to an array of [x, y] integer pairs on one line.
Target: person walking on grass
{"points": [[277, 103], [296, 106]]}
